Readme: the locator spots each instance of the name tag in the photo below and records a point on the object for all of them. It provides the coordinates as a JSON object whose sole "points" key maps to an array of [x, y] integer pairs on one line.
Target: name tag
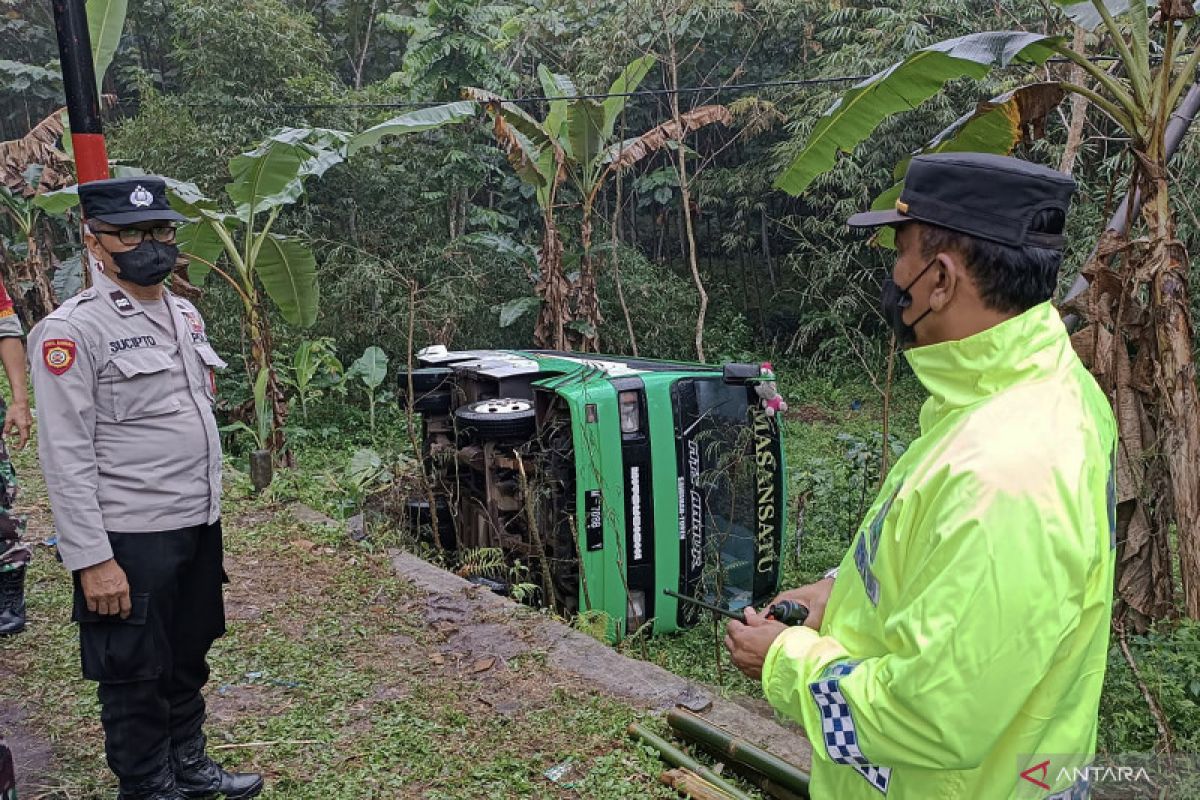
{"points": [[117, 345]]}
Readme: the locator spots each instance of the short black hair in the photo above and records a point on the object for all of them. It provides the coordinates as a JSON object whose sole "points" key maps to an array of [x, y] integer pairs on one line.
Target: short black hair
{"points": [[1009, 279]]}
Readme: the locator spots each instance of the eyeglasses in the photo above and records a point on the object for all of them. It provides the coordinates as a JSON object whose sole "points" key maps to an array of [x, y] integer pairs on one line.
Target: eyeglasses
{"points": [[164, 234]]}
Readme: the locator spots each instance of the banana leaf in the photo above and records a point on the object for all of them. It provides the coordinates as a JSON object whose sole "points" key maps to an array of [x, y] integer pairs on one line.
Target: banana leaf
{"points": [[905, 86], [554, 85], [414, 121], [288, 271], [106, 20], [628, 81]]}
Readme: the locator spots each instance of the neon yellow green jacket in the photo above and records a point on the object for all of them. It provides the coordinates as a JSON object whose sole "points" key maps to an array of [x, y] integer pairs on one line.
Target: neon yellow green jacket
{"points": [[965, 639]]}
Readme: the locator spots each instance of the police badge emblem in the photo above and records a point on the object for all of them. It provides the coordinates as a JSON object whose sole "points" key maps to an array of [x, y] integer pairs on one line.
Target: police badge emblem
{"points": [[140, 197]]}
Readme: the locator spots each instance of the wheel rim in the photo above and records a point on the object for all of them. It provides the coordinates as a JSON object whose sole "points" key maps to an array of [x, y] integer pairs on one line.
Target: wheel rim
{"points": [[502, 406]]}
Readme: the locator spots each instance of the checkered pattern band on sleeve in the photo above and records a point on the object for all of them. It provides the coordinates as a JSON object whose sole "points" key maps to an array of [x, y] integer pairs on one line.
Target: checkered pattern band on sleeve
{"points": [[837, 726]]}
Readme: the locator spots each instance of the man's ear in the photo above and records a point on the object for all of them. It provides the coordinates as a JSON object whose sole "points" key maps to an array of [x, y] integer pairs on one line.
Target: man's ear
{"points": [[92, 242], [96, 250], [949, 274]]}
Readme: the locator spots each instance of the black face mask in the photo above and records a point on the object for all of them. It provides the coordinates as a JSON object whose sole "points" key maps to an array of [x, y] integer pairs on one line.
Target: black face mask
{"points": [[895, 300], [148, 263]]}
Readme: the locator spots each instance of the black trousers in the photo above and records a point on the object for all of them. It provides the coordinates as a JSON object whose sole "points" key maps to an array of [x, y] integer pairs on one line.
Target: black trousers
{"points": [[152, 665]]}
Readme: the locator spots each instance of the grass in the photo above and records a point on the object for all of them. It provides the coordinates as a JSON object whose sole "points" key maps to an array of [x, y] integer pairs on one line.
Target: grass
{"points": [[330, 680]]}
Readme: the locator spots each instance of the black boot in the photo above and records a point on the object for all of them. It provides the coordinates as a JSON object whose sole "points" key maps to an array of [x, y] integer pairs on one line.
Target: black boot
{"points": [[159, 786], [12, 601], [198, 776]]}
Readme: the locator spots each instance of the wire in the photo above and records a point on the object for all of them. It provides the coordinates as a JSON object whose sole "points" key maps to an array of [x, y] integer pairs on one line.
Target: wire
{"points": [[542, 99], [718, 89]]}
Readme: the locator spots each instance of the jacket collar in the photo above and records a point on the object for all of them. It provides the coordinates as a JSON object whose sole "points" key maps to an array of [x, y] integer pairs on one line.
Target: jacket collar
{"points": [[1029, 347]]}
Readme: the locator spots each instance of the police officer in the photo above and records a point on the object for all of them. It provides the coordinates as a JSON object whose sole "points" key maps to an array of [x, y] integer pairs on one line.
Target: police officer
{"points": [[959, 651], [14, 554], [124, 378]]}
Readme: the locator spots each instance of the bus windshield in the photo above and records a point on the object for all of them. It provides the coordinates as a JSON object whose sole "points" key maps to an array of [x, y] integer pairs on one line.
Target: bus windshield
{"points": [[730, 494]]}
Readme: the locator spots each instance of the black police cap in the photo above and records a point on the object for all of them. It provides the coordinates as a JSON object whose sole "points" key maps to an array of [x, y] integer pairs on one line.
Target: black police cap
{"points": [[986, 196], [125, 201]]}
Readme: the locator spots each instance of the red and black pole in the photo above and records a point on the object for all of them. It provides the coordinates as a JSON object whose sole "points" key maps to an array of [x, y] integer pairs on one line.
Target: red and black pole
{"points": [[79, 82]]}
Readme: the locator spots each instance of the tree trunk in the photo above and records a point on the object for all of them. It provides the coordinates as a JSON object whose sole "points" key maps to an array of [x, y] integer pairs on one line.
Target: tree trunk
{"points": [[552, 288], [366, 46], [1143, 580], [1079, 106], [616, 264], [259, 329], [588, 310], [766, 250], [685, 191], [40, 301], [1141, 353], [1177, 406]]}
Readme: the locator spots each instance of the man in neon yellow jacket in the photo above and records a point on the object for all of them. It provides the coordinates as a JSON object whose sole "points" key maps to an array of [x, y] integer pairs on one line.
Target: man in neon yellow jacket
{"points": [[959, 650]]}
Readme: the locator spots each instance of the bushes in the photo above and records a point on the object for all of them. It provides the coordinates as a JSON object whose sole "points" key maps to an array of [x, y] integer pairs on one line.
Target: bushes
{"points": [[1168, 659], [662, 307]]}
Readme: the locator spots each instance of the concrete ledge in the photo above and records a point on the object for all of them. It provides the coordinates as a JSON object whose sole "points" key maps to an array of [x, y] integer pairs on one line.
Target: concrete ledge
{"points": [[571, 652]]}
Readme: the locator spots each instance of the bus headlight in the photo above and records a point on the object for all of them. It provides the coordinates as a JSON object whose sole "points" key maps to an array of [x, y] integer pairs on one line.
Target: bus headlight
{"points": [[635, 614], [631, 412]]}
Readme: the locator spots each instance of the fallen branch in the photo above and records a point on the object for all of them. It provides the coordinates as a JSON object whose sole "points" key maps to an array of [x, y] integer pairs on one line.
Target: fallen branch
{"points": [[689, 784], [1160, 720]]}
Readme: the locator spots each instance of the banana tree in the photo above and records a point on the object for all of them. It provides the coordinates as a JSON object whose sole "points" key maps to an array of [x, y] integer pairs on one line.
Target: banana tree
{"points": [[259, 261], [264, 181], [30, 167], [576, 142], [1139, 342], [27, 278]]}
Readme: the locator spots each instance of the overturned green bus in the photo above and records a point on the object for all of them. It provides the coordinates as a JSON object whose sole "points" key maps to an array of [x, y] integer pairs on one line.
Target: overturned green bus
{"points": [[610, 478]]}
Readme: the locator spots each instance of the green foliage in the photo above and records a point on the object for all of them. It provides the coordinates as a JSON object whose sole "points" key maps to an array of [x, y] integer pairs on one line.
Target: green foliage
{"points": [[452, 43], [264, 421], [371, 370], [315, 366], [459, 285], [265, 180], [1167, 660], [234, 50], [662, 308]]}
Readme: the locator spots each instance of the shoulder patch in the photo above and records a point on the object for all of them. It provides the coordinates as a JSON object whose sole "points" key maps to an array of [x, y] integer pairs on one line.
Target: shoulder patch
{"points": [[195, 323], [58, 355]]}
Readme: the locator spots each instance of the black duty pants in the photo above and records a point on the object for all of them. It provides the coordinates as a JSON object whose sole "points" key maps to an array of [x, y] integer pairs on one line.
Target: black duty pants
{"points": [[152, 665]]}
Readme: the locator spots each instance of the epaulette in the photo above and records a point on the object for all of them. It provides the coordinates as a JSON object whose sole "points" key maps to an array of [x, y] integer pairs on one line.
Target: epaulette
{"points": [[64, 310]]}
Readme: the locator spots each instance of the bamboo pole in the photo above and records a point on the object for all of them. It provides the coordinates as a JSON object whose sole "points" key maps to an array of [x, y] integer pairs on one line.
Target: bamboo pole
{"points": [[738, 751], [677, 758]]}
